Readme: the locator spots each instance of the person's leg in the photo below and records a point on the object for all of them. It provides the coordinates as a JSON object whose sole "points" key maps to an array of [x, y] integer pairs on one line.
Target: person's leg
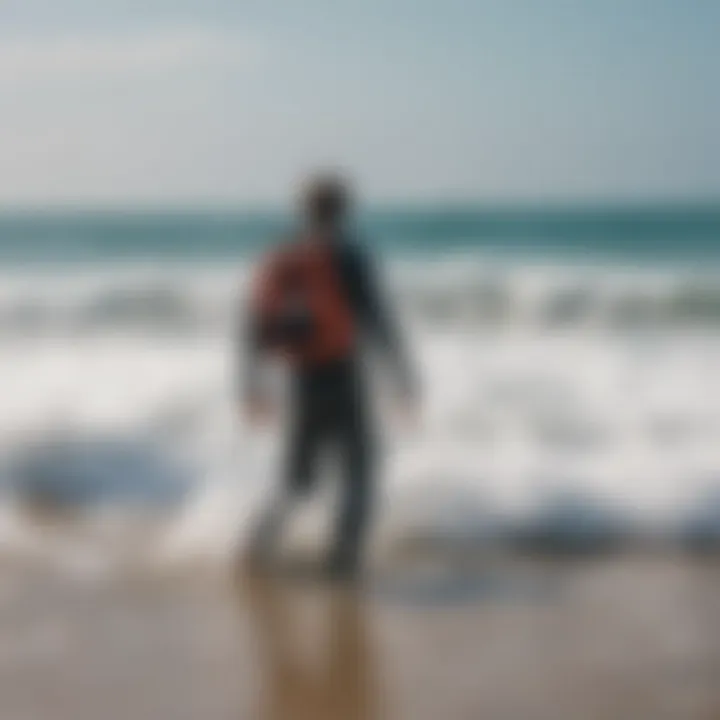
{"points": [[354, 443], [302, 449], [269, 529]]}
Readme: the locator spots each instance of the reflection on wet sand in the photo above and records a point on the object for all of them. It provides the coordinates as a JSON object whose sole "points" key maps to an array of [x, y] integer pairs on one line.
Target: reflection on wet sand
{"points": [[623, 638], [293, 685]]}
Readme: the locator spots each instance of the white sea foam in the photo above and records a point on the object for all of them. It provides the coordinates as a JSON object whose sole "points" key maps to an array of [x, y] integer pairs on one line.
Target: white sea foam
{"points": [[458, 292], [582, 401]]}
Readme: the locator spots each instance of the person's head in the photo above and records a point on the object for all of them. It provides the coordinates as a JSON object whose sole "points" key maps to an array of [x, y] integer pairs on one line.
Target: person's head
{"points": [[326, 202]]}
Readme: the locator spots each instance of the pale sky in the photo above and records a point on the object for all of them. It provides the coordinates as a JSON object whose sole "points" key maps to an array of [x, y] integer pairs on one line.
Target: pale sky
{"points": [[163, 102]]}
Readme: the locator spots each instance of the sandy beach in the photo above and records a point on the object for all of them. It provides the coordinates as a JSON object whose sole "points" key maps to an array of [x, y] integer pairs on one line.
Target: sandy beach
{"points": [[636, 637]]}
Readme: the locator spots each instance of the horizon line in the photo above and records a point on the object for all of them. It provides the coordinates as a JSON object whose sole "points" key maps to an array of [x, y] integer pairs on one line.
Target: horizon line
{"points": [[430, 204]]}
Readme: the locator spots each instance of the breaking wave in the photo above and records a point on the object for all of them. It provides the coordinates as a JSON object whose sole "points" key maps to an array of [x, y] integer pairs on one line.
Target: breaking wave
{"points": [[564, 407], [453, 294]]}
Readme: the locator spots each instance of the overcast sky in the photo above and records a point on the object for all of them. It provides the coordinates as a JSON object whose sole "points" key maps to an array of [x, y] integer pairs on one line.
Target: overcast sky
{"points": [[203, 101]]}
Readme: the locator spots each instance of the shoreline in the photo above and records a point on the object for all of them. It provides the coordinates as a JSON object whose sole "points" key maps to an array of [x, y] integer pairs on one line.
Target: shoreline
{"points": [[626, 637]]}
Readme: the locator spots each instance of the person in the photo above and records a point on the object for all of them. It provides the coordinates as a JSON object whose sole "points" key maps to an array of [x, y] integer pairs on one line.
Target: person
{"points": [[316, 303]]}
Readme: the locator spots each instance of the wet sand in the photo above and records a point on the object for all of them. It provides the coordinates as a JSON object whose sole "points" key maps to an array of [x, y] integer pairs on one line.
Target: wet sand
{"points": [[635, 638]]}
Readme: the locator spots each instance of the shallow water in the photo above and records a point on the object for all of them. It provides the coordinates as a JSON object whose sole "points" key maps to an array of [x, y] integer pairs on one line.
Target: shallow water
{"points": [[621, 639]]}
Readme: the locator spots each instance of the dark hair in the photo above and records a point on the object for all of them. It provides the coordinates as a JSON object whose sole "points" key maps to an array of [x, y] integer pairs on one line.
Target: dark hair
{"points": [[326, 199]]}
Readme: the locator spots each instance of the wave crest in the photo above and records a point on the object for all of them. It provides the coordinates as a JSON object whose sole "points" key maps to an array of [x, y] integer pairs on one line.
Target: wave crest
{"points": [[431, 294]]}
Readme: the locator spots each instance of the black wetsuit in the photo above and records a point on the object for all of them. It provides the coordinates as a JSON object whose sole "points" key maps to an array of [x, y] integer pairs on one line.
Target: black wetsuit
{"points": [[330, 409]]}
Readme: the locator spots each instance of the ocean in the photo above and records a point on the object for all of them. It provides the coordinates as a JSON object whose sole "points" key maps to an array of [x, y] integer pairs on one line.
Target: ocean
{"points": [[632, 234], [569, 363]]}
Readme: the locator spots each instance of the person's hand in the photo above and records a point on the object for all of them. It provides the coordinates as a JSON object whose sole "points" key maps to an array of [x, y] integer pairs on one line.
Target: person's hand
{"points": [[259, 412], [408, 411]]}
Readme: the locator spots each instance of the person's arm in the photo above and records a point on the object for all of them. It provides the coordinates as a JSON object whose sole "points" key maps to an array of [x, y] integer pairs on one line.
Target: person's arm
{"points": [[377, 318], [249, 357], [249, 377]]}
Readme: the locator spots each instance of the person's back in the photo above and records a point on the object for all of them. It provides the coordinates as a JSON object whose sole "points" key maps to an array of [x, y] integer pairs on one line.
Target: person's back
{"points": [[316, 304]]}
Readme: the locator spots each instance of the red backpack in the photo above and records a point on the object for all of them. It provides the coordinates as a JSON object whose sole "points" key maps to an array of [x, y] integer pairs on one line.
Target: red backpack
{"points": [[300, 309]]}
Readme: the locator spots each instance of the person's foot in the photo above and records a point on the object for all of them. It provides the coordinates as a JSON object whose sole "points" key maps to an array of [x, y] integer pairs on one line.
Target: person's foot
{"points": [[253, 562], [344, 569]]}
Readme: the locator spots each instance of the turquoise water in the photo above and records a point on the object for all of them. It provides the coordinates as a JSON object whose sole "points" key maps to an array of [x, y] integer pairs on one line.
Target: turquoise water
{"points": [[681, 234]]}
